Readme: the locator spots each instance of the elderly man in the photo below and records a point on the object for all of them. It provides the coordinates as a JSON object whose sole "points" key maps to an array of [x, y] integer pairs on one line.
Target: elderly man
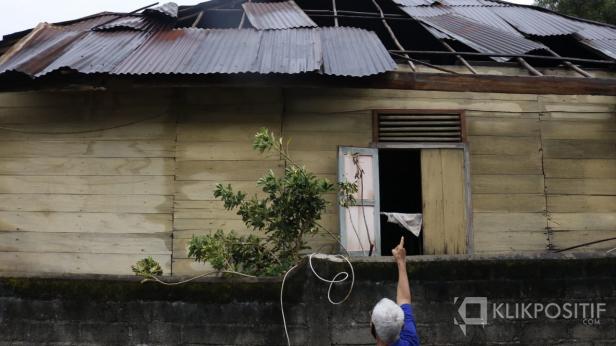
{"points": [[391, 323]]}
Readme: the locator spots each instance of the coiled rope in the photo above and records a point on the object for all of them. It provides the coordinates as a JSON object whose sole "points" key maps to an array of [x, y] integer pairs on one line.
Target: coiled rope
{"points": [[340, 277]]}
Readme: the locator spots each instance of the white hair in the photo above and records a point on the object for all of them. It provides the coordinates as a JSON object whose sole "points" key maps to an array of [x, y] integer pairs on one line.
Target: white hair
{"points": [[388, 319]]}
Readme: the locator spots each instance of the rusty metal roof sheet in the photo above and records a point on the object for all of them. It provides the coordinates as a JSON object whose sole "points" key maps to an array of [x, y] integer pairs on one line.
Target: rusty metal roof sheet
{"points": [[538, 23], [198, 51], [277, 15], [483, 38], [37, 50], [354, 52], [169, 10], [97, 52], [195, 51], [335, 51], [50, 48]]}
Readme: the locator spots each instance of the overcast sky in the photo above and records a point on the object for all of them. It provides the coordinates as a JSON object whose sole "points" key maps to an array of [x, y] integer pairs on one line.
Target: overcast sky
{"points": [[17, 15]]}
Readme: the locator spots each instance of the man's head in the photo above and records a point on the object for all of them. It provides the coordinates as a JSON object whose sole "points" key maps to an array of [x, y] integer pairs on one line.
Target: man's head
{"points": [[387, 321]]}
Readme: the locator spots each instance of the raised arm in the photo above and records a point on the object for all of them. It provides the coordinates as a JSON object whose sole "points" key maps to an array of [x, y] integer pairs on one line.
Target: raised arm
{"points": [[404, 290]]}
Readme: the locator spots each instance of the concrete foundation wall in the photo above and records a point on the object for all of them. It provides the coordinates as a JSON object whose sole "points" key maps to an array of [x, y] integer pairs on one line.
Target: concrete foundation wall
{"points": [[90, 310]]}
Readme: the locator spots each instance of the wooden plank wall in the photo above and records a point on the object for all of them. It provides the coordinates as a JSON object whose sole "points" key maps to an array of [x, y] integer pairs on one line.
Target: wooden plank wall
{"points": [[543, 168], [215, 131], [504, 145], [579, 149], [507, 177], [523, 148], [73, 200]]}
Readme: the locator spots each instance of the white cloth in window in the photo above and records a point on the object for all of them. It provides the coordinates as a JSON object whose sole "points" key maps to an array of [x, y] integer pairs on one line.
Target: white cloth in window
{"points": [[411, 222]]}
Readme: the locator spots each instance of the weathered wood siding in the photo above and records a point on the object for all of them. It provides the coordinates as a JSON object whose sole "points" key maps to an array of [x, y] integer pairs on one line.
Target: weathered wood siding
{"points": [[579, 151], [80, 201], [214, 145], [543, 168]]}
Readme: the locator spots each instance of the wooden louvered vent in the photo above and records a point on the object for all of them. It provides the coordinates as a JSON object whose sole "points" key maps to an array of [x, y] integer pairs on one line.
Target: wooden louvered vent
{"points": [[419, 127]]}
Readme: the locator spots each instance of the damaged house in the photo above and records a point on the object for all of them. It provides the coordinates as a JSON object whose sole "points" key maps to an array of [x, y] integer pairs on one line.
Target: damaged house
{"points": [[482, 131], [489, 126]]}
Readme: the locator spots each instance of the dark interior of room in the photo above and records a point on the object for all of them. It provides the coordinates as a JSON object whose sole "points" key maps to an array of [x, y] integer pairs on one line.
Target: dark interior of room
{"points": [[400, 191]]}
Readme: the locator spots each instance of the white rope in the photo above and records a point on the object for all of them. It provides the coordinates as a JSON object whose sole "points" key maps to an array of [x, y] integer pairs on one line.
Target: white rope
{"points": [[338, 278], [345, 276], [284, 320]]}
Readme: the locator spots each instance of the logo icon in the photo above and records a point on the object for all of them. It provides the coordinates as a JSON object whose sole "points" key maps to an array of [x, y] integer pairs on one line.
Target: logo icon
{"points": [[462, 320]]}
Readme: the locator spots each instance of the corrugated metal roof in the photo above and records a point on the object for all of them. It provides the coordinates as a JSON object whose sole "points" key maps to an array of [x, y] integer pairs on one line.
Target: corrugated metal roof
{"points": [[449, 3], [596, 32], [97, 52], [125, 23], [136, 22], [436, 33], [483, 38], [470, 3], [277, 15], [414, 2], [198, 51], [290, 51], [512, 19], [538, 23], [485, 15], [337, 51], [169, 10], [37, 50], [607, 47], [426, 11], [354, 52]]}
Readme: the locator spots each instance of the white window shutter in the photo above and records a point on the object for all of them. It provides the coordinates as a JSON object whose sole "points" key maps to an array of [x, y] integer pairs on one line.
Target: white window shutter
{"points": [[360, 224]]}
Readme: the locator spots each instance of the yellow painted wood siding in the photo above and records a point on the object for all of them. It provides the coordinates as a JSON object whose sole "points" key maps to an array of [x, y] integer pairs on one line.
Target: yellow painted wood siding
{"points": [[543, 170], [579, 146], [86, 181]]}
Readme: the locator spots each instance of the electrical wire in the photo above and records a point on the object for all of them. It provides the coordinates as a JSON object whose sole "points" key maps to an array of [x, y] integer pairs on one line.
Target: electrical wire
{"points": [[586, 244], [12, 129], [155, 279]]}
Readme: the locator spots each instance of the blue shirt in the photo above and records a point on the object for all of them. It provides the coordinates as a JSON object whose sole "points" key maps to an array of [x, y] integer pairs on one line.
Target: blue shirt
{"points": [[408, 334]]}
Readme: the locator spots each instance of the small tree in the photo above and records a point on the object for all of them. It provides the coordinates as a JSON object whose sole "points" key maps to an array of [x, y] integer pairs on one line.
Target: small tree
{"points": [[289, 209], [598, 10]]}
